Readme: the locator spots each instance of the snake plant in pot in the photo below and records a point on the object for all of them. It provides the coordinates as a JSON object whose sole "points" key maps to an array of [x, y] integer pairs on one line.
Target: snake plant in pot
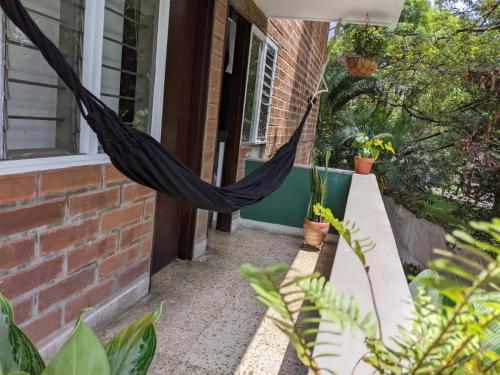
{"points": [[315, 226]]}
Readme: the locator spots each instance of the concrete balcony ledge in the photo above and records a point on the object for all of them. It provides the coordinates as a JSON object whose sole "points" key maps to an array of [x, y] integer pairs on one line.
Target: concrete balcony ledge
{"points": [[365, 208]]}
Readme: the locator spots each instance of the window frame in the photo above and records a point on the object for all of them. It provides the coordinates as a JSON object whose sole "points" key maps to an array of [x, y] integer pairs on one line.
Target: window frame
{"points": [[91, 78], [268, 43]]}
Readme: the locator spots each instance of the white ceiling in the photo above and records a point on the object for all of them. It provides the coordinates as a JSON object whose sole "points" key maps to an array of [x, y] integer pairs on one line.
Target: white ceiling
{"points": [[380, 12]]}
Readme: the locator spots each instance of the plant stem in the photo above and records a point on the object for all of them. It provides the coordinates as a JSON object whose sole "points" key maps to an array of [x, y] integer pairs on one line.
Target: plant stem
{"points": [[374, 304], [358, 362]]}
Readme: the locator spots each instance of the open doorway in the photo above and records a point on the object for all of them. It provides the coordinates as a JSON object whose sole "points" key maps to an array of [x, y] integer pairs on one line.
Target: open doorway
{"points": [[236, 51]]}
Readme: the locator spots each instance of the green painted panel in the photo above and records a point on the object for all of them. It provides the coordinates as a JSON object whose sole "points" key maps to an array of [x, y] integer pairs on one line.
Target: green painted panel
{"points": [[288, 204]]}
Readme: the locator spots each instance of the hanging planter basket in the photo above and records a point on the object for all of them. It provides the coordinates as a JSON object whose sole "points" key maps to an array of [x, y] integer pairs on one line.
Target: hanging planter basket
{"points": [[358, 66]]}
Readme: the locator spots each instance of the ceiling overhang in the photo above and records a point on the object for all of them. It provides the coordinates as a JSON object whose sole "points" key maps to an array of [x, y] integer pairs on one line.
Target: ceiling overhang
{"points": [[373, 12]]}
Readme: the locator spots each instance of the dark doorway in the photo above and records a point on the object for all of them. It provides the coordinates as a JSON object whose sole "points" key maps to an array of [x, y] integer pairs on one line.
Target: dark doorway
{"points": [[238, 33], [184, 107]]}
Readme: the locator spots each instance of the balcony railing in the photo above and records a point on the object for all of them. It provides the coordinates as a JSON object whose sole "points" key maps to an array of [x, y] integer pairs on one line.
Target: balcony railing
{"points": [[357, 199]]}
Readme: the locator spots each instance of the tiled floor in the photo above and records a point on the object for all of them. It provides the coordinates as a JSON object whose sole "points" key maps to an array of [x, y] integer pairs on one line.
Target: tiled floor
{"points": [[210, 317]]}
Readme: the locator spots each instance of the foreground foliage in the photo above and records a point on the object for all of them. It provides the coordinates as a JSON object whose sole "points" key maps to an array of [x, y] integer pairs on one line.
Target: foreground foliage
{"points": [[129, 352], [456, 323]]}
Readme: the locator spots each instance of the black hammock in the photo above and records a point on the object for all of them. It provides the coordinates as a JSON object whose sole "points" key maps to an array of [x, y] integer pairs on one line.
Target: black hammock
{"points": [[140, 157]]}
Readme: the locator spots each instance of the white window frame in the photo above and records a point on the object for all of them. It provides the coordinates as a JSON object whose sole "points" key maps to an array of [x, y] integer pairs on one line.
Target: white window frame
{"points": [[268, 43], [91, 78]]}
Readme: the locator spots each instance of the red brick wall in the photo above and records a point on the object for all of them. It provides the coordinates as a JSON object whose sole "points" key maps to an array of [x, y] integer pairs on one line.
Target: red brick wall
{"points": [[70, 239], [212, 114], [301, 56]]}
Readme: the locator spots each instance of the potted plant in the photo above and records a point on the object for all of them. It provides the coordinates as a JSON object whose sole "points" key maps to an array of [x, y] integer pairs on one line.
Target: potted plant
{"points": [[369, 150], [365, 44], [316, 226]]}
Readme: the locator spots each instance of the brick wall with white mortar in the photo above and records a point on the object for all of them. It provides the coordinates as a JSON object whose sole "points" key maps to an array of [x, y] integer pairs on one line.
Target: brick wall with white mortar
{"points": [[70, 239]]}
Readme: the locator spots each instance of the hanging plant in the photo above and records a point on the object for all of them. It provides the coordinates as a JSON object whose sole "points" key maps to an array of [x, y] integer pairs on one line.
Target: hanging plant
{"points": [[364, 45]]}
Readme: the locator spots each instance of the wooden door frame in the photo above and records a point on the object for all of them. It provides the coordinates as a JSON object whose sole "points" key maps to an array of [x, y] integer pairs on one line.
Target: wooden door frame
{"points": [[236, 109], [199, 104], [200, 72]]}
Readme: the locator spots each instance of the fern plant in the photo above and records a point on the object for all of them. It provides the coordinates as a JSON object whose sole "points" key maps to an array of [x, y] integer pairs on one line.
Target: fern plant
{"points": [[455, 327], [331, 306], [448, 338]]}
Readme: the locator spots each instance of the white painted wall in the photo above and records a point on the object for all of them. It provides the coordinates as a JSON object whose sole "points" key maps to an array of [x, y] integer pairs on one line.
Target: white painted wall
{"points": [[380, 12]]}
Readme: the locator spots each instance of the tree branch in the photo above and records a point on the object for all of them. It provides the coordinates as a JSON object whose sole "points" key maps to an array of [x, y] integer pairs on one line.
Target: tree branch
{"points": [[478, 29]]}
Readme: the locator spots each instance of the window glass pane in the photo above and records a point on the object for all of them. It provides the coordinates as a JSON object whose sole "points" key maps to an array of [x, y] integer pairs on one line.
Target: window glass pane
{"points": [[128, 59], [252, 88], [267, 84], [42, 117]]}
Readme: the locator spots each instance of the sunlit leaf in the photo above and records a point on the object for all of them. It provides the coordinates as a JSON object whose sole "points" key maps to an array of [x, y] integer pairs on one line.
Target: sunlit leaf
{"points": [[17, 352], [81, 354], [131, 350]]}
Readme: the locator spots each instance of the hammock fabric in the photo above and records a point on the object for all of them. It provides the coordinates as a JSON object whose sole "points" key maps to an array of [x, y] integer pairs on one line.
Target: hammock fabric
{"points": [[140, 157]]}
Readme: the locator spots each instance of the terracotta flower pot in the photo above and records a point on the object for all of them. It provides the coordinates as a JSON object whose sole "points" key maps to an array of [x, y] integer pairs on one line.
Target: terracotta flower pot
{"points": [[314, 232], [358, 66], [363, 165]]}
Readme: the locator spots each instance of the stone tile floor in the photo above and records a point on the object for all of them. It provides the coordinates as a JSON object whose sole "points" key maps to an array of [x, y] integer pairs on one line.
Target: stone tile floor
{"points": [[211, 321]]}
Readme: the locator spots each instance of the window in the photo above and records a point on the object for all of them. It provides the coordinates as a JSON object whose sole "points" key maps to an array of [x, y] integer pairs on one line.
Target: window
{"points": [[127, 60], [40, 118], [112, 45], [259, 91]]}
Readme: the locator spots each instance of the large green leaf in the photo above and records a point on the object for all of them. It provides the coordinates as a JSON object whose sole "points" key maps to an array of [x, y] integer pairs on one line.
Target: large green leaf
{"points": [[82, 354], [17, 352], [131, 350], [416, 286]]}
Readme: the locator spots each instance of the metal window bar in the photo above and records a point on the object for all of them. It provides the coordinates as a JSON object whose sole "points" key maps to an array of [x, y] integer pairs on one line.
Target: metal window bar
{"points": [[114, 11], [122, 70], [267, 84], [29, 46], [36, 118], [79, 5], [34, 83], [120, 43], [21, 44], [118, 96]]}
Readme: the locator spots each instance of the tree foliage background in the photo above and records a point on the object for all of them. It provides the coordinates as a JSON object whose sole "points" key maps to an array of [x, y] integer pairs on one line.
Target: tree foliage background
{"points": [[437, 92]]}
